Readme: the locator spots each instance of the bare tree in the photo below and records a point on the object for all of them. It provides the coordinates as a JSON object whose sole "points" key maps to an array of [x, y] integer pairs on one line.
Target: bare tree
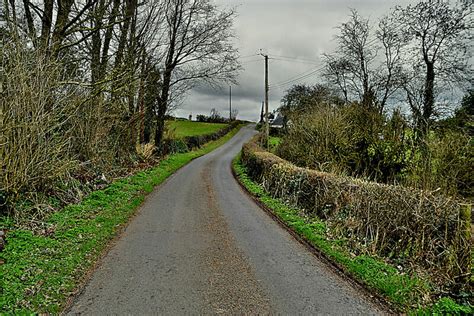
{"points": [[153, 81], [128, 13], [388, 76], [359, 52], [367, 64], [338, 73], [132, 60], [100, 42], [59, 21], [440, 49], [198, 46], [215, 115]]}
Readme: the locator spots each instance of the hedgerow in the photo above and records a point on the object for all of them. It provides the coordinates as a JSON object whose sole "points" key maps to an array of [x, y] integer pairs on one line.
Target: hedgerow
{"points": [[417, 230]]}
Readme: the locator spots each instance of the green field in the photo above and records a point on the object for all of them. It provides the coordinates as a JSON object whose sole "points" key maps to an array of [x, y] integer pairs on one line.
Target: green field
{"points": [[187, 128]]}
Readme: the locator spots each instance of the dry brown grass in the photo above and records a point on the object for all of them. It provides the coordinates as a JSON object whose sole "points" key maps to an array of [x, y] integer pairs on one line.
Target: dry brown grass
{"points": [[145, 151]]}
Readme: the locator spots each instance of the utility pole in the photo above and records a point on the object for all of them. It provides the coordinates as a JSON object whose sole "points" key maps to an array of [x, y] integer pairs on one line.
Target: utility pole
{"points": [[230, 103], [267, 126]]}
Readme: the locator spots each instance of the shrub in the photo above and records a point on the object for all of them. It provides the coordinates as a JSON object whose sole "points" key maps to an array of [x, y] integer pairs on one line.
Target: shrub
{"points": [[320, 140], [446, 164], [34, 124], [171, 146], [214, 117], [349, 140], [52, 131], [352, 140]]}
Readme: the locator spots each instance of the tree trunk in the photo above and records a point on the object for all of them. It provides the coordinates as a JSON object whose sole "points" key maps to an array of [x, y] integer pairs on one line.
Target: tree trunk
{"points": [[141, 95], [170, 63], [129, 10], [96, 23], [46, 23], [107, 38], [59, 33], [14, 18], [428, 99], [366, 99], [151, 90], [148, 124], [162, 108], [29, 20]]}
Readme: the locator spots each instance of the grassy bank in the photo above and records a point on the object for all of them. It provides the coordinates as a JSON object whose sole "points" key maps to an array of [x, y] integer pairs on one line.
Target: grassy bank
{"points": [[43, 268], [188, 128], [405, 292]]}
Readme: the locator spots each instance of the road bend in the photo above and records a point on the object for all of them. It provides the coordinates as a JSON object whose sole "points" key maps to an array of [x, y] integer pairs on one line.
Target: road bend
{"points": [[200, 245]]}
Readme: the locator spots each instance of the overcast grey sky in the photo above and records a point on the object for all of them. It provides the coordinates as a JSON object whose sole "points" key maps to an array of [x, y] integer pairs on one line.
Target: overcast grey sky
{"points": [[299, 30]]}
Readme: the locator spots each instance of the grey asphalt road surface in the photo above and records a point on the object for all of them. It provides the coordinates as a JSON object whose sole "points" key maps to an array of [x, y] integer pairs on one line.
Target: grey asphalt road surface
{"points": [[200, 245]]}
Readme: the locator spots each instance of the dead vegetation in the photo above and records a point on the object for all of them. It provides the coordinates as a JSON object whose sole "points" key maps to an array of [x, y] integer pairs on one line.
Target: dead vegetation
{"points": [[34, 122]]}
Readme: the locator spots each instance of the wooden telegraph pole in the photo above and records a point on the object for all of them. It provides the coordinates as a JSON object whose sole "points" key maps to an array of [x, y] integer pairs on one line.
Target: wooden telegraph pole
{"points": [[230, 103], [267, 125]]}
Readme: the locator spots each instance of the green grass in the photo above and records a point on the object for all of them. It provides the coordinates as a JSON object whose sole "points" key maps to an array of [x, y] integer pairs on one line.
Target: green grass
{"points": [[42, 270], [188, 128], [274, 142], [404, 291]]}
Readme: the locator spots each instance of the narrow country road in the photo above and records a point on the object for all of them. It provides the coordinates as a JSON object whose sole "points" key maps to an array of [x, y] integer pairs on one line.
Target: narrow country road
{"points": [[199, 245]]}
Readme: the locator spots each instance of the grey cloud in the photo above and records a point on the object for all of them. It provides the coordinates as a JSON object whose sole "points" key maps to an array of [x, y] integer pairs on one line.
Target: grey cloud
{"points": [[303, 29]]}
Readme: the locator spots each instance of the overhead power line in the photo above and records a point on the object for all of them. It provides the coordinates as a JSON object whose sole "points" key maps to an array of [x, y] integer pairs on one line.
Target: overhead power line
{"points": [[280, 57], [248, 56], [299, 75], [294, 77], [297, 78], [250, 61], [296, 61]]}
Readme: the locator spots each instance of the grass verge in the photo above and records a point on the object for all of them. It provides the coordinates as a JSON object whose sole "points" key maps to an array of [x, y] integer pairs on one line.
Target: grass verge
{"points": [[41, 270], [403, 292]]}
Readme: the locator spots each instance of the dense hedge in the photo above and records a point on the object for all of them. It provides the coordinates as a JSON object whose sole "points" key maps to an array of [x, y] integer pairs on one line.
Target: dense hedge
{"points": [[189, 143], [424, 230]]}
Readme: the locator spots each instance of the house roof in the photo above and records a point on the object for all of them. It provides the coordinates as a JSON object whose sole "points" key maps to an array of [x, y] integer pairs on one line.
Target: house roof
{"points": [[278, 121]]}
